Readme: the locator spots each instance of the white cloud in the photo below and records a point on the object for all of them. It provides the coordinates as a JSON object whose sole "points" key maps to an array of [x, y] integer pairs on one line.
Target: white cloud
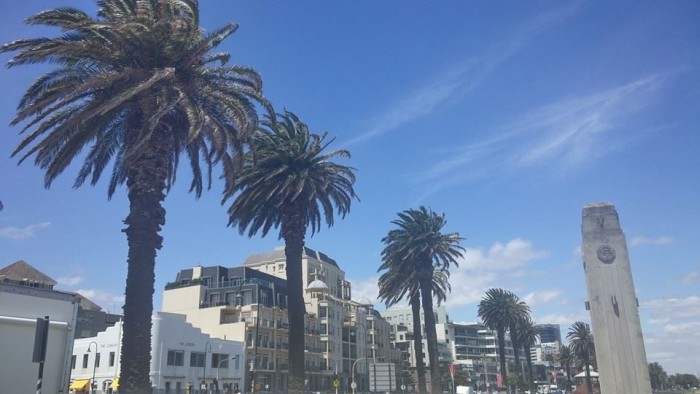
{"points": [[541, 297], [21, 234], [513, 254], [641, 240], [366, 288], [108, 301], [673, 308], [564, 320], [691, 278], [70, 281]]}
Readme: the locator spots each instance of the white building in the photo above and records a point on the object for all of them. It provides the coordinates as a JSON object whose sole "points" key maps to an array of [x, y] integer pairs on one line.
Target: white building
{"points": [[181, 357], [23, 299]]}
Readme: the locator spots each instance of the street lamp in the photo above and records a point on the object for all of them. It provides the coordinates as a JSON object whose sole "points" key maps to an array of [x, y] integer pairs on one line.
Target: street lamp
{"points": [[257, 282], [357, 323], [94, 365], [204, 373], [219, 366]]}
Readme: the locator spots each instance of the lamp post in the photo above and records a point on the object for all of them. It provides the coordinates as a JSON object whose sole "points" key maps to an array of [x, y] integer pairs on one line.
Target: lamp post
{"points": [[257, 282], [94, 365], [219, 366], [364, 327], [204, 373]]}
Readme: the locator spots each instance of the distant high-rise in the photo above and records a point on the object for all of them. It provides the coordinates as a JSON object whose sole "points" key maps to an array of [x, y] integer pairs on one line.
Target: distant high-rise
{"points": [[549, 333]]}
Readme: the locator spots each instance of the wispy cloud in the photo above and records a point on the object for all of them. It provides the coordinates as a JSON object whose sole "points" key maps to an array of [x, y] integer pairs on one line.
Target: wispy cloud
{"points": [[108, 301], [21, 234], [502, 256], [562, 135], [542, 297], [70, 281], [691, 278], [454, 84], [641, 240]]}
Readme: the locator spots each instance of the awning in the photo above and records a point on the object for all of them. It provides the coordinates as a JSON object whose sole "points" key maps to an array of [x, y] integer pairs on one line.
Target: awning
{"points": [[79, 384], [115, 384]]}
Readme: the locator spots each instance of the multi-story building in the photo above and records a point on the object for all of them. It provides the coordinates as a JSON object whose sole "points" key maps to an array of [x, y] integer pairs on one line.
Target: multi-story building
{"points": [[340, 332], [549, 332], [183, 359]]}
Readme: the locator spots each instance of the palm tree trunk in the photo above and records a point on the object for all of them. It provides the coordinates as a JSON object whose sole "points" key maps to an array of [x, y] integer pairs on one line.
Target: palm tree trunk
{"points": [[418, 343], [529, 371], [501, 334], [589, 383], [146, 183], [568, 378], [430, 332], [293, 231], [516, 352]]}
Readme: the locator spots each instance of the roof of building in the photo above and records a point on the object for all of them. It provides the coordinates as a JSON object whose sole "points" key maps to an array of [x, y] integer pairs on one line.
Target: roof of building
{"points": [[278, 255], [317, 285], [22, 271]]}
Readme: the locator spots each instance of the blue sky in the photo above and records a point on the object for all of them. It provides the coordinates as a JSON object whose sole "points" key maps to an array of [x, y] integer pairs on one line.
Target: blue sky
{"points": [[507, 117]]}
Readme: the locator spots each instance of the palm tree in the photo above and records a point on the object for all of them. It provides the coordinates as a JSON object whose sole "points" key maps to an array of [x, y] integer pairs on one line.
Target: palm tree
{"points": [[394, 286], [497, 310], [288, 182], [565, 358], [418, 246], [581, 343], [136, 87], [527, 336], [519, 312]]}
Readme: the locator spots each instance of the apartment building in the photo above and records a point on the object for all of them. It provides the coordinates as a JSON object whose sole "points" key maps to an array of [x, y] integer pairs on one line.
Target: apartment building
{"points": [[250, 303]]}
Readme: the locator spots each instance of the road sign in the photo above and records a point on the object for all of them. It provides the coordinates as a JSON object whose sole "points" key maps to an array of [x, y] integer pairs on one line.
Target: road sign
{"points": [[336, 383], [382, 377], [353, 385]]}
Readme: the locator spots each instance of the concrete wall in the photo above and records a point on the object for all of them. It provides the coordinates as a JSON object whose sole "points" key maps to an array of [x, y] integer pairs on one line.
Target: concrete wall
{"points": [[20, 306], [620, 352]]}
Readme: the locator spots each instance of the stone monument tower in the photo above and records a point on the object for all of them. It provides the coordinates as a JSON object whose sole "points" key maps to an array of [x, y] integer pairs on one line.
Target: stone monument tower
{"points": [[622, 360]]}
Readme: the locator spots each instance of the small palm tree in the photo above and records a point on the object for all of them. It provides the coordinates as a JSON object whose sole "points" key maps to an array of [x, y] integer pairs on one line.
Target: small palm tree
{"points": [[394, 286], [566, 358], [134, 88], [418, 247], [497, 310], [581, 343], [527, 337], [287, 181], [519, 311]]}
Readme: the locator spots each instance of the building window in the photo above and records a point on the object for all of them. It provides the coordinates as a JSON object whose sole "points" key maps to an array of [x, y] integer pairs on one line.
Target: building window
{"points": [[197, 359], [219, 360], [97, 359], [111, 359], [72, 361], [85, 360], [176, 358], [323, 328], [167, 387], [323, 311]]}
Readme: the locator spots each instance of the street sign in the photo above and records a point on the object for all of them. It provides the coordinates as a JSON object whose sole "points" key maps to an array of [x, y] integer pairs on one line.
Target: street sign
{"points": [[382, 377], [336, 383], [353, 385]]}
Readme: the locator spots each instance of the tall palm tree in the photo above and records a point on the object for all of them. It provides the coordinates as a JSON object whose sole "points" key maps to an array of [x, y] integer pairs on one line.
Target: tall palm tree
{"points": [[565, 358], [581, 343], [497, 310], [396, 285], [527, 337], [419, 247], [287, 181], [135, 87]]}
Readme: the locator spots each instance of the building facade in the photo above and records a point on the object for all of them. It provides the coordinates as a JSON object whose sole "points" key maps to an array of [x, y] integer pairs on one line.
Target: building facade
{"points": [[251, 302], [183, 360]]}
